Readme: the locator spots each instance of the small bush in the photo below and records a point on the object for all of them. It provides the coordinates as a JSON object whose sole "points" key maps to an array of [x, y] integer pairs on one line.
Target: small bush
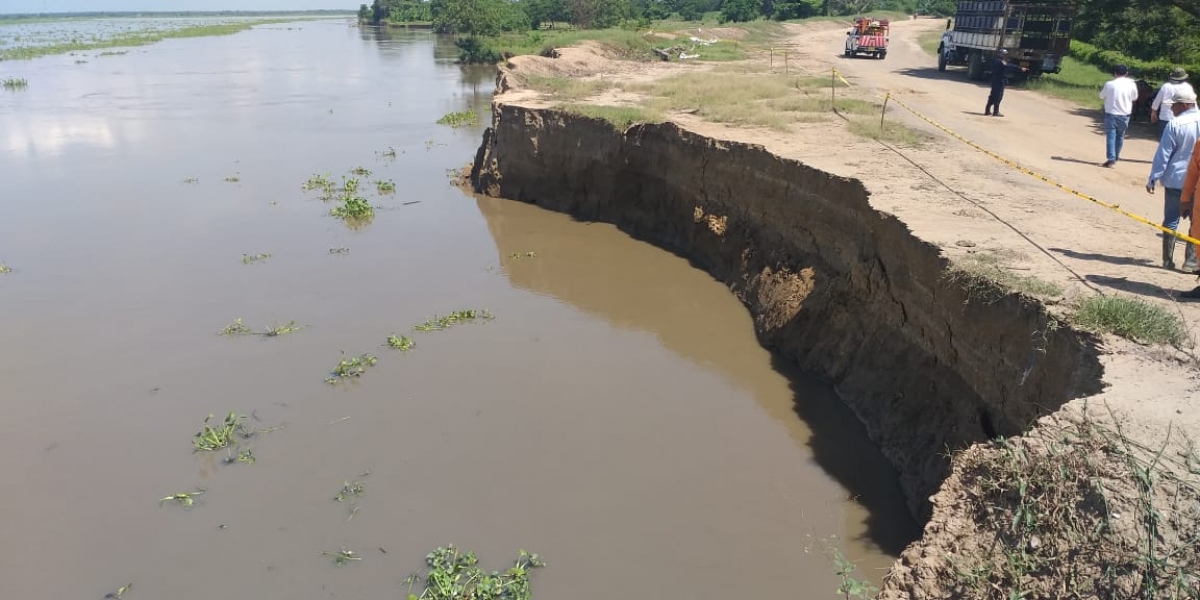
{"points": [[1131, 318], [475, 51]]}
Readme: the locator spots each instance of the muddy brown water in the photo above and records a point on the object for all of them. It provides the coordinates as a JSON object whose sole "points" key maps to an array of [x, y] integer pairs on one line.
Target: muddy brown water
{"points": [[618, 416]]}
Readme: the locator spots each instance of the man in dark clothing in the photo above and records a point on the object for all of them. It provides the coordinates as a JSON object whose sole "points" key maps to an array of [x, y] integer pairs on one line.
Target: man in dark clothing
{"points": [[999, 80]]}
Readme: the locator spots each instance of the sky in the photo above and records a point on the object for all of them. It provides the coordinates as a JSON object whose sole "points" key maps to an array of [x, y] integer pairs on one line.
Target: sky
{"points": [[49, 6]]}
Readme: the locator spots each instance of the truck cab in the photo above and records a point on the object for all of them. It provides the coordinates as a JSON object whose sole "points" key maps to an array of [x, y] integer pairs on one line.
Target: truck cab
{"points": [[868, 37]]}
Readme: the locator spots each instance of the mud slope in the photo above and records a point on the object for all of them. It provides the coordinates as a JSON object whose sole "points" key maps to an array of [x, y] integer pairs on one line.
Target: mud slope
{"points": [[842, 290]]}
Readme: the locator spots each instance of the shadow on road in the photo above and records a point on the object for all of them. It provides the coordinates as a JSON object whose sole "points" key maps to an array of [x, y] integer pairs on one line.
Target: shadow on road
{"points": [[1140, 288], [1108, 258], [1143, 130], [934, 74]]}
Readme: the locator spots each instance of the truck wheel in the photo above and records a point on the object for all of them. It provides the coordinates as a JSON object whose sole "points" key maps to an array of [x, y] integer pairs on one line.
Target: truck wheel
{"points": [[883, 55], [941, 61], [975, 66]]}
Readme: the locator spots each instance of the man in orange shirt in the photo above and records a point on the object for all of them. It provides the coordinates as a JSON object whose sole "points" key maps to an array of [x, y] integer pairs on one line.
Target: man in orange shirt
{"points": [[1188, 206]]}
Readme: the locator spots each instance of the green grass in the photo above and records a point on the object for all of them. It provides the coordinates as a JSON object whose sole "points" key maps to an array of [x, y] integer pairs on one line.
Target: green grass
{"points": [[459, 119], [132, 39], [891, 132], [14, 83], [1078, 82], [1131, 318], [565, 88], [637, 45], [620, 117], [930, 40]]}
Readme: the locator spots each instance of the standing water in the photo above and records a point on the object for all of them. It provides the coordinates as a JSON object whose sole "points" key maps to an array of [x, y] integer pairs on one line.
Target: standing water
{"points": [[617, 415]]}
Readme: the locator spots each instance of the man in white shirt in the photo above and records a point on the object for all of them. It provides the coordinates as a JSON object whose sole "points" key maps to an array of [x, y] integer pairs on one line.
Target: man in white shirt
{"points": [[1118, 96], [1160, 109]]}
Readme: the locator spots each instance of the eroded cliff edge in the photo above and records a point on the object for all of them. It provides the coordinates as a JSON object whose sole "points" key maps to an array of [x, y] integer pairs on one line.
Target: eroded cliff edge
{"points": [[840, 289]]}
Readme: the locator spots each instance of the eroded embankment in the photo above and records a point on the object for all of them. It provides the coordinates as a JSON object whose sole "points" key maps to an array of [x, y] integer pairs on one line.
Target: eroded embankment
{"points": [[842, 290]]}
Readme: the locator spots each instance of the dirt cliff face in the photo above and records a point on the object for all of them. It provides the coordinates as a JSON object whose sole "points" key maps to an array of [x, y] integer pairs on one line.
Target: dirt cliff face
{"points": [[838, 288]]}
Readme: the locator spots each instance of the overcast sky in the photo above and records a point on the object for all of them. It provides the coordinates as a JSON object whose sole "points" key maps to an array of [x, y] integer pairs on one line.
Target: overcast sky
{"points": [[46, 6]]}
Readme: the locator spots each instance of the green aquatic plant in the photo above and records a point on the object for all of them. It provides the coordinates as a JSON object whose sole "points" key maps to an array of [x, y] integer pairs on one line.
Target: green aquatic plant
{"points": [[342, 556], [192, 180], [14, 83], [354, 366], [454, 318], [455, 575], [244, 456], [350, 186], [249, 259], [186, 499], [5, 269], [402, 343], [459, 119], [385, 187], [221, 435], [353, 208], [320, 182], [119, 593], [339, 251], [520, 255], [81, 62], [233, 178], [361, 171], [389, 153], [236, 328], [278, 330], [113, 53], [350, 491]]}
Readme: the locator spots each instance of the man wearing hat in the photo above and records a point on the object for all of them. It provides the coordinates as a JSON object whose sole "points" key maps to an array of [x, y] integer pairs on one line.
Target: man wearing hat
{"points": [[1118, 95], [1160, 109], [1171, 167]]}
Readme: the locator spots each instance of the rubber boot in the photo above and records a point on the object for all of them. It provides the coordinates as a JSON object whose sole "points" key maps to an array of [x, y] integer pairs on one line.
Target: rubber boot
{"points": [[1168, 256], [1189, 259]]}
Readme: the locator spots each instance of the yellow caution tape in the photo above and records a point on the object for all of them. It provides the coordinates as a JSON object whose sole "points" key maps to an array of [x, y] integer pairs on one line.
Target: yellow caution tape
{"points": [[1032, 173]]}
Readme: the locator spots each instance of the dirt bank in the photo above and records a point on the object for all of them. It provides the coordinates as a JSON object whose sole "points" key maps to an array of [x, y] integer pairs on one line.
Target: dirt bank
{"points": [[839, 288]]}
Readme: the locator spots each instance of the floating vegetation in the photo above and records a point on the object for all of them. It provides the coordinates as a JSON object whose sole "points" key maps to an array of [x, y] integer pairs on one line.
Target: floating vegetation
{"points": [[245, 456], [239, 328], [339, 251], [342, 556], [278, 330], [186, 500], [81, 62], [233, 178], [236, 328], [5, 269], [249, 259], [14, 83], [120, 592], [350, 491], [353, 208], [113, 53], [222, 435], [385, 187], [520, 255], [354, 366], [361, 171], [402, 343], [320, 182], [455, 575], [192, 180], [459, 119], [389, 153], [454, 318]]}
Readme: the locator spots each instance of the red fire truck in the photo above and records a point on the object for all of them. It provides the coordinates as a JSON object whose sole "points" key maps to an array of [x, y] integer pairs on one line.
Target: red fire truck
{"points": [[869, 36]]}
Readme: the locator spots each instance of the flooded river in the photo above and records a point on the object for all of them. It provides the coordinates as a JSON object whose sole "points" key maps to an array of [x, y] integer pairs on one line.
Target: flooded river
{"points": [[617, 416]]}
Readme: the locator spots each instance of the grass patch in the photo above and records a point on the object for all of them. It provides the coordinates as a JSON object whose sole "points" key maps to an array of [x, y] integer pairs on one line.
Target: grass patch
{"points": [[986, 277], [565, 88], [459, 119], [1075, 510], [620, 117], [1131, 318], [930, 40], [1078, 82], [892, 132], [139, 38], [744, 98], [452, 574], [637, 45]]}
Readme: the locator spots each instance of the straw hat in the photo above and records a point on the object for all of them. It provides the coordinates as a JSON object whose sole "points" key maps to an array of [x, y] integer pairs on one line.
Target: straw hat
{"points": [[1178, 74]]}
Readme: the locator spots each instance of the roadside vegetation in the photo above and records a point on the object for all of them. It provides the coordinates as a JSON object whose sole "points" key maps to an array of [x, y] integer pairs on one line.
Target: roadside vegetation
{"points": [[1132, 318], [988, 276]]}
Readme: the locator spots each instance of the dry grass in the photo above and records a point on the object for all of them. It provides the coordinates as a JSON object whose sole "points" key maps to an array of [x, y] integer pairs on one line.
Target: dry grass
{"points": [[565, 88], [620, 117], [988, 275]]}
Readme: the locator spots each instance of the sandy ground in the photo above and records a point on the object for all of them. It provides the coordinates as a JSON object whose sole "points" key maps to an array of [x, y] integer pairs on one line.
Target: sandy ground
{"points": [[1084, 247]]}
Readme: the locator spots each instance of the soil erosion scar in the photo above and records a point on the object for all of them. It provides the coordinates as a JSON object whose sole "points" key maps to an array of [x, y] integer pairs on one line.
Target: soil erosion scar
{"points": [[842, 290]]}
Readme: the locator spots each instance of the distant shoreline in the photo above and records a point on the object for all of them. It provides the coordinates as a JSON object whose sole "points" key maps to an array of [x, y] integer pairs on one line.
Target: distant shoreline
{"points": [[58, 16]]}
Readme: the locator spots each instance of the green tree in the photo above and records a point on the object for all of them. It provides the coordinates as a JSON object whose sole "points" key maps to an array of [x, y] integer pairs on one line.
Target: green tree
{"points": [[547, 12], [740, 11], [364, 14], [599, 14], [689, 10]]}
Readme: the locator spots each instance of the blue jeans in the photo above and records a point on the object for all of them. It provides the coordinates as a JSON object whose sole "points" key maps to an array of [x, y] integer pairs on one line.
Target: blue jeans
{"points": [[1114, 133], [1171, 198]]}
